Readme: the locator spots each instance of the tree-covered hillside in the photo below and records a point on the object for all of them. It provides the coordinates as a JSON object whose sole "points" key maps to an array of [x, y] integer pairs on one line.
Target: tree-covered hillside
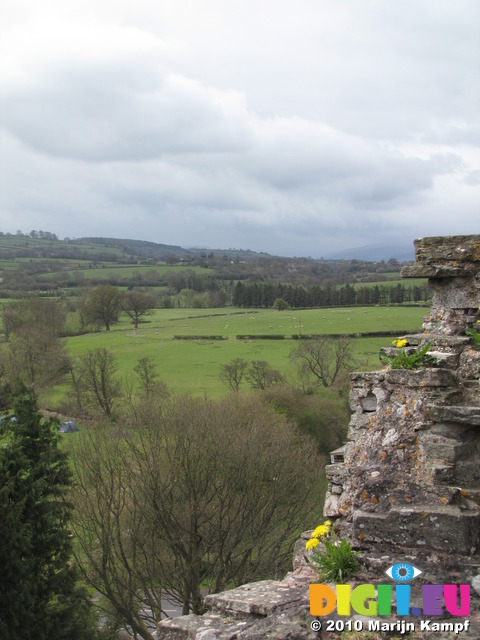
{"points": [[41, 264]]}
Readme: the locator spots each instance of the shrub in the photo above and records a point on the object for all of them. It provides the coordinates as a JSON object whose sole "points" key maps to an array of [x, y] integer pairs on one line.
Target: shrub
{"points": [[259, 336]]}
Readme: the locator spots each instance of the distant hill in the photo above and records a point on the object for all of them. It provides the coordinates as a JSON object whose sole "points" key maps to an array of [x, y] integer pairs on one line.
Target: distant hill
{"points": [[44, 244], [369, 253], [137, 247], [41, 264], [157, 250], [376, 253]]}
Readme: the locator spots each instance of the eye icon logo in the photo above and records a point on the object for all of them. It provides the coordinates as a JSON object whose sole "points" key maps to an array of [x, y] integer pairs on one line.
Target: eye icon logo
{"points": [[402, 572]]}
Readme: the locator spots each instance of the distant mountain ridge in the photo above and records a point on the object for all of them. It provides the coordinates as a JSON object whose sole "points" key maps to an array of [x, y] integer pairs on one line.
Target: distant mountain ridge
{"points": [[379, 252], [376, 253], [369, 253]]}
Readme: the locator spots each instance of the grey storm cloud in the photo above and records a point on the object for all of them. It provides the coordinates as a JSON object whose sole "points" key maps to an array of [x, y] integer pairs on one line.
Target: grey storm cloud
{"points": [[318, 127]]}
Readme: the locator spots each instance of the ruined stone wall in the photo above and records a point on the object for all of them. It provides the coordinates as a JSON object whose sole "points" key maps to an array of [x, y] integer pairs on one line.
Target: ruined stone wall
{"points": [[408, 479]]}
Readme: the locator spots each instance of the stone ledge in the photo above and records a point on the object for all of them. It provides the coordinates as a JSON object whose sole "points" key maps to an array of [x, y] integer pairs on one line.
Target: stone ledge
{"points": [[256, 599], [337, 472], [448, 248], [421, 526], [437, 339], [373, 377], [421, 377], [438, 271], [455, 414], [424, 377], [278, 610]]}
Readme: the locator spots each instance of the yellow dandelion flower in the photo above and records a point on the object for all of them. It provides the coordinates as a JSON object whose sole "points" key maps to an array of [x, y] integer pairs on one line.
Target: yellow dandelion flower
{"points": [[320, 531], [312, 543], [400, 343]]}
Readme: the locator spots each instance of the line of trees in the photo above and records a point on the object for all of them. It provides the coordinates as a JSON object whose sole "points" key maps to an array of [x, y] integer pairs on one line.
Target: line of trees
{"points": [[280, 296]]}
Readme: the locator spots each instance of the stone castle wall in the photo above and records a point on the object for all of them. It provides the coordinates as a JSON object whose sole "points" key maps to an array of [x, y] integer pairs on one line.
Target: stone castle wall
{"points": [[409, 476]]}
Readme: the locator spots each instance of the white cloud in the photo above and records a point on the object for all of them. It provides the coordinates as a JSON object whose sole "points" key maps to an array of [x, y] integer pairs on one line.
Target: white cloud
{"points": [[291, 129]]}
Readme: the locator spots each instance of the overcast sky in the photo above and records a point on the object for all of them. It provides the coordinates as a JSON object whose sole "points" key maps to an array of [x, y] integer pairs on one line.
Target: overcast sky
{"points": [[296, 128]]}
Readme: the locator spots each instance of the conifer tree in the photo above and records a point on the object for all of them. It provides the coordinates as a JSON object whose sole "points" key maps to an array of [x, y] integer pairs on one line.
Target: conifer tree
{"points": [[39, 595]]}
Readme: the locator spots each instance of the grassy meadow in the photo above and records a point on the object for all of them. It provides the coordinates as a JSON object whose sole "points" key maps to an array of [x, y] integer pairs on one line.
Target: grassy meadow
{"points": [[194, 365], [108, 271]]}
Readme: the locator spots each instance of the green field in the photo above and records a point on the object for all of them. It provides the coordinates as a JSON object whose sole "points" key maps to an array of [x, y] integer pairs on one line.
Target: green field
{"points": [[194, 365], [15, 243], [111, 271], [390, 282]]}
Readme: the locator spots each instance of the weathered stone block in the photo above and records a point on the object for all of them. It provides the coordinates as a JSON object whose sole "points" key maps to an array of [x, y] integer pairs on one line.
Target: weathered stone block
{"points": [[257, 599], [362, 396], [207, 627], [445, 359], [358, 422], [336, 473], [420, 378], [469, 368], [293, 624], [439, 340], [438, 447], [418, 271], [459, 414], [455, 293], [371, 378], [369, 403], [330, 508], [390, 437], [421, 526], [447, 248]]}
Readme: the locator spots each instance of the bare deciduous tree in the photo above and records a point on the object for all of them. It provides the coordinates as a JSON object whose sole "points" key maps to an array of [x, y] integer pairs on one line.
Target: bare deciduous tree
{"points": [[98, 374], [113, 551], [202, 495], [232, 373], [324, 358], [261, 375], [35, 355], [147, 374]]}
